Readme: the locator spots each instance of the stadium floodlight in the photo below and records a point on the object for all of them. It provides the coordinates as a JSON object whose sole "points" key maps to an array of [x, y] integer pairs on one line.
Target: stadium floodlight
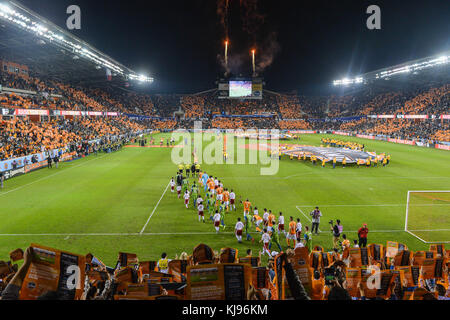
{"points": [[31, 22], [140, 78], [386, 74], [6, 9], [347, 81]]}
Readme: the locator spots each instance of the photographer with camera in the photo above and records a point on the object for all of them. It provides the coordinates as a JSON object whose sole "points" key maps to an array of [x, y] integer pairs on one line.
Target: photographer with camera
{"points": [[315, 214], [335, 281], [336, 229]]}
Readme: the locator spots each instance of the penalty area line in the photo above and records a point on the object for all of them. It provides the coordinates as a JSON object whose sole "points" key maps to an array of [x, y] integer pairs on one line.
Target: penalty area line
{"points": [[154, 209]]}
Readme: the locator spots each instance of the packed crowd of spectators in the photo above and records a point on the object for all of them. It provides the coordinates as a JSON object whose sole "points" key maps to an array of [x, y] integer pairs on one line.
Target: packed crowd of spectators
{"points": [[21, 137], [294, 125], [430, 130], [287, 111], [193, 106], [243, 123]]}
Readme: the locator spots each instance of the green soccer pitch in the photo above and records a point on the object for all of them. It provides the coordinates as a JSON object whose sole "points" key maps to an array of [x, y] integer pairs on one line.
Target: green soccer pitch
{"points": [[121, 201]]}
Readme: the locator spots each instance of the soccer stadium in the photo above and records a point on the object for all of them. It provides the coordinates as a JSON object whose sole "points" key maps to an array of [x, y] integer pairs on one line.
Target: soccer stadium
{"points": [[118, 183]]}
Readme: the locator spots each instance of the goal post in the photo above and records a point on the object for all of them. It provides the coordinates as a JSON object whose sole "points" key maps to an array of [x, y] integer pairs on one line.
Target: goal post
{"points": [[428, 215]]}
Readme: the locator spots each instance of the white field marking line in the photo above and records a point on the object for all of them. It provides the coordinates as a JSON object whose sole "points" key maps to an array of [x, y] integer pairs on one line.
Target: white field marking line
{"points": [[112, 234], [52, 175], [147, 234], [429, 191], [298, 175], [439, 242], [372, 205], [430, 230], [416, 236], [306, 216], [361, 177], [154, 209]]}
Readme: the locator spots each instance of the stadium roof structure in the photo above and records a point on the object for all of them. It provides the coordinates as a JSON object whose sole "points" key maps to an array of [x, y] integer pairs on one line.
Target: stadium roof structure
{"points": [[29, 39], [418, 71]]}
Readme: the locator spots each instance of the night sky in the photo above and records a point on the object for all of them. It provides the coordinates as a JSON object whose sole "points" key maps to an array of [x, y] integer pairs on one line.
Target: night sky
{"points": [[313, 41]]}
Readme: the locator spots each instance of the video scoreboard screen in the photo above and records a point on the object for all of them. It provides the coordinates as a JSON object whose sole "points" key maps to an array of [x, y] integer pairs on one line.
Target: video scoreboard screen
{"points": [[241, 89]]}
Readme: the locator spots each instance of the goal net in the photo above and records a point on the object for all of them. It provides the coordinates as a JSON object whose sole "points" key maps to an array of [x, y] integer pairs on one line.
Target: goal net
{"points": [[428, 216]]}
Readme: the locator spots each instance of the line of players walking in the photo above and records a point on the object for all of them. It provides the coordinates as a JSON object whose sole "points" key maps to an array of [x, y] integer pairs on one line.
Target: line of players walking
{"points": [[220, 201]]}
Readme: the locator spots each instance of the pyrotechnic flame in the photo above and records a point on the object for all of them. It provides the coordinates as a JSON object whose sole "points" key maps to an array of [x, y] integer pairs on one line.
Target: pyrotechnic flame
{"points": [[253, 61]]}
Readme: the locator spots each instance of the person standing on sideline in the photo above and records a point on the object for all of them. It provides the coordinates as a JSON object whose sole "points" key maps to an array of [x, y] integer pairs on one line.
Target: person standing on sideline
{"points": [[315, 214], [56, 160], [1, 179], [49, 161], [362, 235], [336, 230], [163, 263]]}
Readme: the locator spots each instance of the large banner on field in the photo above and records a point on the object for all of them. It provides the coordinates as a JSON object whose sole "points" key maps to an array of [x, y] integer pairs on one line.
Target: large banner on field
{"points": [[321, 153], [53, 270]]}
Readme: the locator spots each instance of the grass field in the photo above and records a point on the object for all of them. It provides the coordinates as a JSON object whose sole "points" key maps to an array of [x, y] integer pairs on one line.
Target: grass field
{"points": [[102, 203]]}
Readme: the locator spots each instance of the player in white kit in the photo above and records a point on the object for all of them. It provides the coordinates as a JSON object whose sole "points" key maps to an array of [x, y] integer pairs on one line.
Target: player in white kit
{"points": [[299, 228], [186, 199], [265, 239], [216, 219], [199, 200], [172, 185], [281, 224], [201, 215], [238, 230], [232, 200], [266, 218], [179, 191]]}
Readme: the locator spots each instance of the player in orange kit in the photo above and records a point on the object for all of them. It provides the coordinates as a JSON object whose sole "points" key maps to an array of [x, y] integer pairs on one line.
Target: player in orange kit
{"points": [[226, 199], [247, 207], [270, 222], [292, 232]]}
